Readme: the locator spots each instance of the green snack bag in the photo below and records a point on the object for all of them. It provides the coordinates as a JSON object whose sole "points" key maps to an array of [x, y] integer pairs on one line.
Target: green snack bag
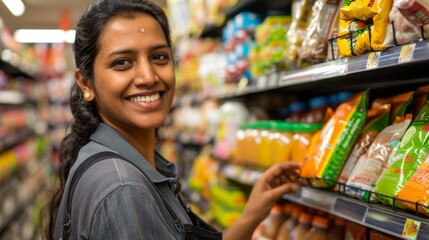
{"points": [[406, 159]]}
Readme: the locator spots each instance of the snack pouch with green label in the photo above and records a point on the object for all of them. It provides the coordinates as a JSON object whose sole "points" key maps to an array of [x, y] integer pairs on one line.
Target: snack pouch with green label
{"points": [[407, 158], [372, 164], [377, 120], [335, 141]]}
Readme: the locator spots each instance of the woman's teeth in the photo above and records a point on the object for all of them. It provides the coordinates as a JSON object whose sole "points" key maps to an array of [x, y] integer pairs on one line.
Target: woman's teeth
{"points": [[149, 98]]}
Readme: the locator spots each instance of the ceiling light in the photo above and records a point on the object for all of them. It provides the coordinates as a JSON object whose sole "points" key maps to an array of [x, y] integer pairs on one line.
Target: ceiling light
{"points": [[16, 7], [44, 36]]}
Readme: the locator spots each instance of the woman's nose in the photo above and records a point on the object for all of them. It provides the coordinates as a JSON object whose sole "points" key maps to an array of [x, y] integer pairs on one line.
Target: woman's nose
{"points": [[145, 74]]}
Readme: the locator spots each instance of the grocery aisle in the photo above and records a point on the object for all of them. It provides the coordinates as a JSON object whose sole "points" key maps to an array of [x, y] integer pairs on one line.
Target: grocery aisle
{"points": [[33, 116]]}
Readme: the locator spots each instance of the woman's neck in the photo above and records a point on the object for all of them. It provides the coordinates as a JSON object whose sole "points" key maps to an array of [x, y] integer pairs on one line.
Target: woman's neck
{"points": [[144, 142]]}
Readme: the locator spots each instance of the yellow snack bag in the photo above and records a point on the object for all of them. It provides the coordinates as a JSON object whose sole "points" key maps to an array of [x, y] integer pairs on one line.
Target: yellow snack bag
{"points": [[335, 141], [354, 15]]}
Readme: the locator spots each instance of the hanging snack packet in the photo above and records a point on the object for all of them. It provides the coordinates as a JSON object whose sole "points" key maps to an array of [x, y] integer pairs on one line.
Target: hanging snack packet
{"points": [[411, 152], [355, 16], [315, 45], [297, 32], [416, 190], [377, 120], [371, 165], [399, 104], [421, 95], [335, 141]]}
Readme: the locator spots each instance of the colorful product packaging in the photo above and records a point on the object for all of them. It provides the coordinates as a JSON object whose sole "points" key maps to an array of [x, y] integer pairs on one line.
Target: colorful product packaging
{"points": [[377, 120], [416, 190], [407, 158], [371, 165], [363, 25], [335, 141]]}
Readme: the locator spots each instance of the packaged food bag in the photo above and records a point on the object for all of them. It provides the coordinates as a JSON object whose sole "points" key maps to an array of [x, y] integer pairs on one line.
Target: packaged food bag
{"points": [[416, 190], [297, 32], [400, 104], [410, 154], [377, 120], [357, 16], [410, 22], [371, 165], [421, 95], [315, 45], [335, 141]]}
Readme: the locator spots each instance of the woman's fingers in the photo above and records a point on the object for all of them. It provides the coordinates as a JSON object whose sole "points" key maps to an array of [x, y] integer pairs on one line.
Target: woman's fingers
{"points": [[288, 169]]}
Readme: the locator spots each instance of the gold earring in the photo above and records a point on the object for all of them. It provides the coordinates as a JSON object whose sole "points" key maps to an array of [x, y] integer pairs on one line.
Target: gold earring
{"points": [[87, 95]]}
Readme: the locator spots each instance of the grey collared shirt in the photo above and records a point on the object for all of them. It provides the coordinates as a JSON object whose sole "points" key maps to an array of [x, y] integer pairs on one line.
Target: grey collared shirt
{"points": [[115, 200]]}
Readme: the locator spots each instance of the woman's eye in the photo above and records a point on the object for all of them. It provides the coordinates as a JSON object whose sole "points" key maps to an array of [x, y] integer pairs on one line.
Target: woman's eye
{"points": [[122, 63], [162, 58]]}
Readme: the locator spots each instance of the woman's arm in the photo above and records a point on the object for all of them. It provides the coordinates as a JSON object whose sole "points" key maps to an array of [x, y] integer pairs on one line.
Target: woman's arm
{"points": [[268, 189]]}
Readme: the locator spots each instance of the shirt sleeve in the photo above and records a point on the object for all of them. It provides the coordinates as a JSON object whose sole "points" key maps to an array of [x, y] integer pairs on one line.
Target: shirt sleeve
{"points": [[130, 212]]}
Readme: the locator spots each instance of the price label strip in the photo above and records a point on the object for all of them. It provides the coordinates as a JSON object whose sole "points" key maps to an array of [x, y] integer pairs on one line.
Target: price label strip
{"points": [[407, 52], [373, 60], [411, 229]]}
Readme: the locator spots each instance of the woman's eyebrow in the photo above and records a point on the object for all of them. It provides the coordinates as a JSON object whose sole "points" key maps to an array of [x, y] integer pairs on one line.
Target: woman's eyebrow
{"points": [[127, 51]]}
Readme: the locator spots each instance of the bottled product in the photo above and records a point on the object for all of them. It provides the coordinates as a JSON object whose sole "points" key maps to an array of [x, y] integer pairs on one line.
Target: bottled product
{"points": [[271, 224], [232, 115], [316, 114], [281, 142], [318, 229], [297, 110], [301, 140], [264, 156], [303, 226], [338, 231], [288, 225]]}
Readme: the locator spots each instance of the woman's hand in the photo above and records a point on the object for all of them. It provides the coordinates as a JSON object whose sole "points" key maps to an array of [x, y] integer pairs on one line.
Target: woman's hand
{"points": [[278, 180]]}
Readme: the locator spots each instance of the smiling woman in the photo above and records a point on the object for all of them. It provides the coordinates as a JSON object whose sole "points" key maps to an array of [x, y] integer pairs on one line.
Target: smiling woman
{"points": [[123, 90]]}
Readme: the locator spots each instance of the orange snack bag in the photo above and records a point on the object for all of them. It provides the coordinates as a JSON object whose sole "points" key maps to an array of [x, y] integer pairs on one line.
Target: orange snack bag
{"points": [[416, 190], [399, 104], [335, 141]]}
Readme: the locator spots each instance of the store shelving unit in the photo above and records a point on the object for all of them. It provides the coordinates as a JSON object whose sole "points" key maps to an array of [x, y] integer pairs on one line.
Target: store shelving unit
{"points": [[385, 73], [396, 67], [386, 219], [23, 168]]}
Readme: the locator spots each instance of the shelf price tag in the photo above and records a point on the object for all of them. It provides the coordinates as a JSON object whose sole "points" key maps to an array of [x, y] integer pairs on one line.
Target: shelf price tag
{"points": [[411, 229], [406, 53], [373, 60]]}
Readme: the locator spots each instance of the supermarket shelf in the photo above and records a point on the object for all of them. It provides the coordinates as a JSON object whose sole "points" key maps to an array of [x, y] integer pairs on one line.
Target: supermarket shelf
{"points": [[8, 97], [13, 139], [17, 195], [375, 216], [16, 68], [395, 67], [257, 6]]}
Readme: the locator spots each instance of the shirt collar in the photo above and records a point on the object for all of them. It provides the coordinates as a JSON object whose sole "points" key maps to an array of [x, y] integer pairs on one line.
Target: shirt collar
{"points": [[109, 137]]}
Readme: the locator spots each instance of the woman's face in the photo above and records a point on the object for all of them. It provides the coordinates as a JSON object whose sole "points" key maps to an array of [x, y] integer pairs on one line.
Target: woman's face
{"points": [[133, 74]]}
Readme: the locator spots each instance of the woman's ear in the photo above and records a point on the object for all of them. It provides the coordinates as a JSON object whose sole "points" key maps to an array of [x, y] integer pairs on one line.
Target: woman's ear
{"points": [[84, 85]]}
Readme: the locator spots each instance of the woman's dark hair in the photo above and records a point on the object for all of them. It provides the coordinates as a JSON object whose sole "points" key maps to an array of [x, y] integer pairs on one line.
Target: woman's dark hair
{"points": [[85, 115]]}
